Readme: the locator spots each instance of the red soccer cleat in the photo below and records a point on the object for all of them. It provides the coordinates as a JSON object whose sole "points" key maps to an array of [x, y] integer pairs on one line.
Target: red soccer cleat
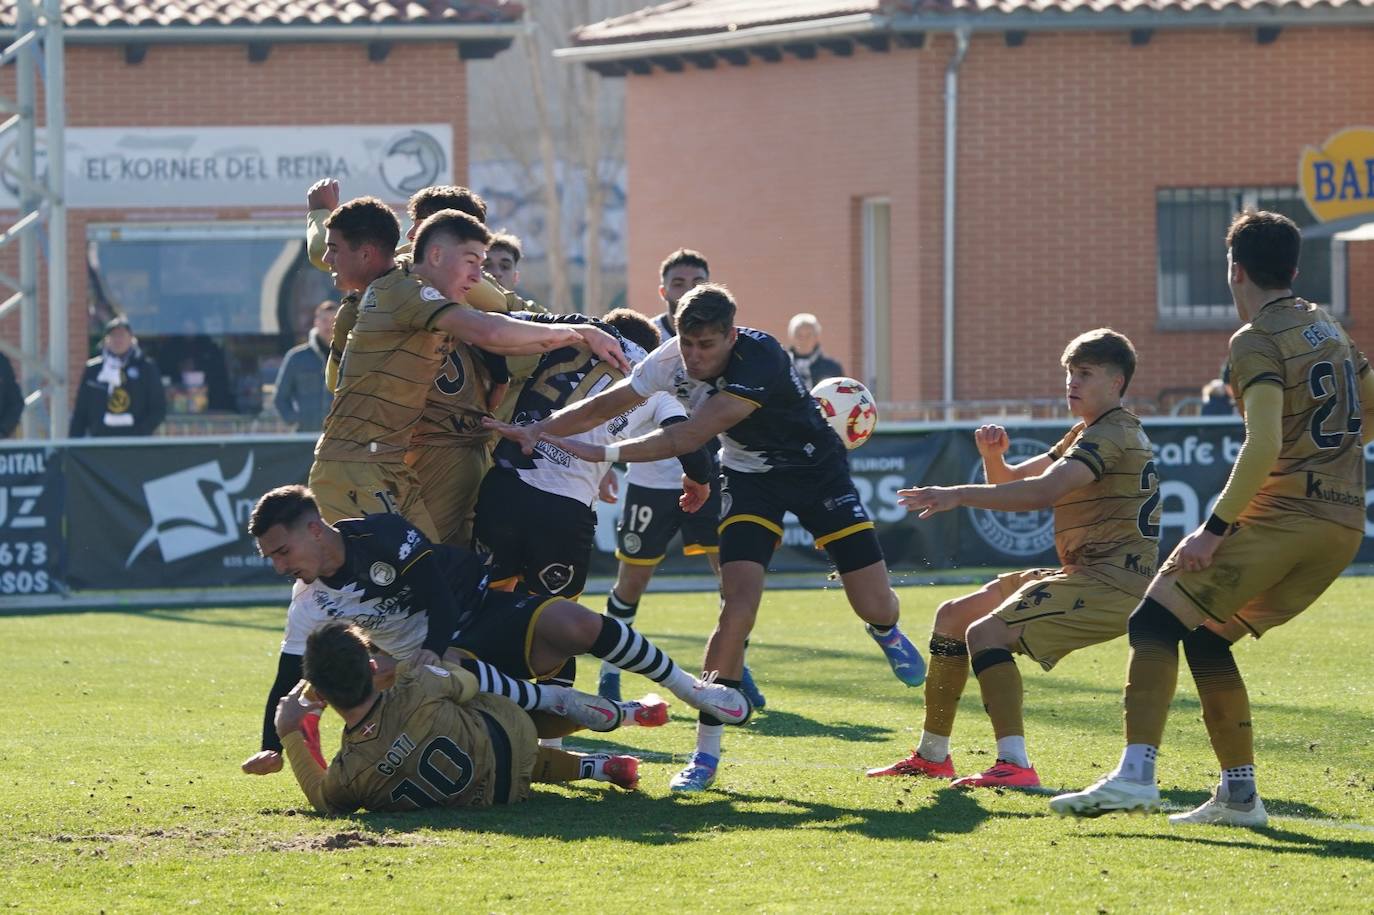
{"points": [[649, 712], [1002, 775], [622, 771], [918, 765]]}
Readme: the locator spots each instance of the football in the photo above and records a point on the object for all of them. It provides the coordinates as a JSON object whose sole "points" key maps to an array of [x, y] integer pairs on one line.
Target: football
{"points": [[849, 408]]}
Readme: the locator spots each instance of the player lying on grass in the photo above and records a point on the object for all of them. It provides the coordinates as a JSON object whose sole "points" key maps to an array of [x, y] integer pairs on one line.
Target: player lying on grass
{"points": [[1100, 480], [381, 573], [1291, 518], [779, 455], [430, 740]]}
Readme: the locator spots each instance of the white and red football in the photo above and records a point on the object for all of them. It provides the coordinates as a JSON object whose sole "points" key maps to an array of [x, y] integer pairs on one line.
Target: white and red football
{"points": [[849, 408]]}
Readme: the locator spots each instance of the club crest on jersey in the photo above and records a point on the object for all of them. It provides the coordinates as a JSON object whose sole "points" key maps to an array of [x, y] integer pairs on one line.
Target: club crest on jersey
{"points": [[382, 574], [555, 576], [430, 294], [631, 543]]}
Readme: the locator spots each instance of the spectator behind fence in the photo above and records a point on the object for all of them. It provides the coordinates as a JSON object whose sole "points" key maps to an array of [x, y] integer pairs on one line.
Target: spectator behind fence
{"points": [[121, 389], [804, 332], [1217, 399], [301, 396], [11, 398]]}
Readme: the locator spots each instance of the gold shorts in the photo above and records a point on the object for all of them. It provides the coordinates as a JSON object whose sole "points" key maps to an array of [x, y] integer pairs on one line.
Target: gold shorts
{"points": [[450, 476], [1061, 611], [350, 489], [1265, 572], [524, 741]]}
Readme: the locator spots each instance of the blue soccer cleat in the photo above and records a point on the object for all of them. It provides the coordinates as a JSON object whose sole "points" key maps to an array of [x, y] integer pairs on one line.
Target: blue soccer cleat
{"points": [[608, 687], [751, 689], [699, 775], [905, 658]]}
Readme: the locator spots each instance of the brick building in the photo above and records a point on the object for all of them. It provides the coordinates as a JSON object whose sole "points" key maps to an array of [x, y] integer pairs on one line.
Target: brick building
{"points": [[1100, 150], [193, 130]]}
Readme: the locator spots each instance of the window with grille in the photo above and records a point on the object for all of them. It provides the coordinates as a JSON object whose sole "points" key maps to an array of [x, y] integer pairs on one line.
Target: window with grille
{"points": [[1190, 227]]}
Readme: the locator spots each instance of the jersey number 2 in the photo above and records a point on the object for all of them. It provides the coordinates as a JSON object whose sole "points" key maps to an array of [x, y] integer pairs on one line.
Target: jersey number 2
{"points": [[1149, 480], [1326, 390], [435, 787]]}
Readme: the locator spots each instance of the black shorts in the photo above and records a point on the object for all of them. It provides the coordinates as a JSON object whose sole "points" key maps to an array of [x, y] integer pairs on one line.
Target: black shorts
{"points": [[824, 500], [502, 632], [542, 539], [651, 517]]}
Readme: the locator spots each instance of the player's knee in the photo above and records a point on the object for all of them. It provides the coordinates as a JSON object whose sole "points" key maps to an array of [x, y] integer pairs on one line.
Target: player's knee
{"points": [[1154, 622], [988, 632], [569, 627], [951, 619], [1204, 646]]}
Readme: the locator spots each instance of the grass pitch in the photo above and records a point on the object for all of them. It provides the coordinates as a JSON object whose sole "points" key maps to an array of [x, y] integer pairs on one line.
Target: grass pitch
{"points": [[120, 789]]}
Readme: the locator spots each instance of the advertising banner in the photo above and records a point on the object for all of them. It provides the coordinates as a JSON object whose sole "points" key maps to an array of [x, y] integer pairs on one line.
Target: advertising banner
{"points": [[150, 517], [31, 549], [135, 167]]}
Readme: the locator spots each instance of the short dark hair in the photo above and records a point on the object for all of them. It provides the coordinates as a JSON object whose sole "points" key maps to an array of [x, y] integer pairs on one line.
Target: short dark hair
{"points": [[285, 505], [452, 225], [328, 305], [706, 306], [634, 327], [336, 664], [366, 221], [1267, 245], [426, 202], [1102, 346], [683, 257], [510, 243]]}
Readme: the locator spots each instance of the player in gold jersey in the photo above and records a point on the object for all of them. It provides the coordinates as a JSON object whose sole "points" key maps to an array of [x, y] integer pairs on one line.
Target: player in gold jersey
{"points": [[1290, 519], [407, 317], [1100, 479], [430, 740]]}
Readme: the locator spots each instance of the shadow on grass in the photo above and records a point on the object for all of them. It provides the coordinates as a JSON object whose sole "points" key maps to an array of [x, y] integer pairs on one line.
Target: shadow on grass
{"points": [[1281, 841], [594, 813], [199, 619]]}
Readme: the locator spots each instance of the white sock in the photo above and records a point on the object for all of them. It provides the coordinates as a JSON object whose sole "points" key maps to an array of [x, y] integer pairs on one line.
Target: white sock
{"points": [[608, 668], [708, 738], [1013, 750], [1238, 785], [679, 683], [1137, 763], [553, 743], [933, 747]]}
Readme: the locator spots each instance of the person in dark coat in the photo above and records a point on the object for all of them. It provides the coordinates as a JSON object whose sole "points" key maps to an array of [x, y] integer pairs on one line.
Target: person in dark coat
{"points": [[121, 390], [804, 333], [11, 398], [301, 396]]}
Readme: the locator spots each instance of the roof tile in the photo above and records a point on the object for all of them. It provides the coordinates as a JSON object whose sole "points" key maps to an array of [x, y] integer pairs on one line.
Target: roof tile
{"points": [[93, 14]]}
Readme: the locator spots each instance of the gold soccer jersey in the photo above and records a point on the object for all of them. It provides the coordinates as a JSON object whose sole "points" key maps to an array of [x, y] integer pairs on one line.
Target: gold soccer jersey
{"points": [[389, 367], [1109, 529], [429, 741], [456, 401], [1320, 470]]}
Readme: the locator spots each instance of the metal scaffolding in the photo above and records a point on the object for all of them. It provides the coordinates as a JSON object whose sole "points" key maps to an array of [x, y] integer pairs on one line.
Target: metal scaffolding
{"points": [[41, 221]]}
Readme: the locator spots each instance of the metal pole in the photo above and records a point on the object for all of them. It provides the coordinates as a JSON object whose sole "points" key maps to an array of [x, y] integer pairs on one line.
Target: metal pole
{"points": [[55, 98], [961, 40], [27, 98]]}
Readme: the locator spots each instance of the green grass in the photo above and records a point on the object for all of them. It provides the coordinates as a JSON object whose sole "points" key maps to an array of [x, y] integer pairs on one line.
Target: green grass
{"points": [[120, 789]]}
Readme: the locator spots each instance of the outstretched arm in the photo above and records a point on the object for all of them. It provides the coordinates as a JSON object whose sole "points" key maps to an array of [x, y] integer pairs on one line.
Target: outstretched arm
{"points": [[1041, 491], [581, 416], [715, 416]]}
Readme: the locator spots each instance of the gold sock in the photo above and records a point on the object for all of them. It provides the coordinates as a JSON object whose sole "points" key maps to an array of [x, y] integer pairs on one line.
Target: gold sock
{"points": [[1225, 702], [556, 766], [1000, 683], [1151, 679], [945, 680]]}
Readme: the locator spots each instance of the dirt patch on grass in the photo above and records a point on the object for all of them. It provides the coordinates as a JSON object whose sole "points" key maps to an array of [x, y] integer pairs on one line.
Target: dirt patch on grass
{"points": [[341, 841]]}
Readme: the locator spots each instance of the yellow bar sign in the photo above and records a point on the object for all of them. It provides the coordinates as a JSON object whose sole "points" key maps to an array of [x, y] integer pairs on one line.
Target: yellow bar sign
{"points": [[1338, 179]]}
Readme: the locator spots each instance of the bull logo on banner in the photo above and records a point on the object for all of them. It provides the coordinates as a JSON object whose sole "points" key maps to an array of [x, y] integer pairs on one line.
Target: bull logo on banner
{"points": [[190, 511], [1020, 534]]}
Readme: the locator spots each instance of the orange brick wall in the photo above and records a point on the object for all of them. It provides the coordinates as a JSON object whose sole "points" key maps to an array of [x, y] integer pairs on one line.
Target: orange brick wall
{"points": [[1062, 145], [216, 85]]}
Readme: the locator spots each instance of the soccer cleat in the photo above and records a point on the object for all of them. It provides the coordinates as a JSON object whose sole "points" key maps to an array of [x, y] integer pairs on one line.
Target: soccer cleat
{"points": [[904, 657], [649, 712], [592, 712], [622, 771], [608, 687], [751, 689], [1002, 775], [723, 702], [1108, 795], [699, 775], [919, 766], [1221, 813]]}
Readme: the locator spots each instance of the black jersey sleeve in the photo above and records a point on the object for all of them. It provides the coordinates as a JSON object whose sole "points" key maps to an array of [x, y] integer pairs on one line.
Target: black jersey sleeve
{"points": [[431, 594], [757, 366], [288, 675]]}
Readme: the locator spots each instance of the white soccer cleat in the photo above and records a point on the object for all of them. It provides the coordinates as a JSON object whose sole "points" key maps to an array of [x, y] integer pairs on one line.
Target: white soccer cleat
{"points": [[1222, 813], [592, 712], [723, 702], [1108, 795]]}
